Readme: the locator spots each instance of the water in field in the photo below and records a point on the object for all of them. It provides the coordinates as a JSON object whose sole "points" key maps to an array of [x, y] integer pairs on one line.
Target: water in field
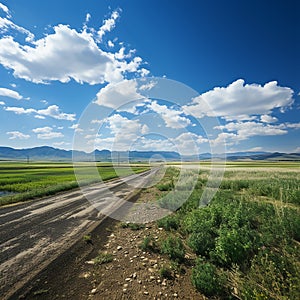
{"points": [[5, 193]]}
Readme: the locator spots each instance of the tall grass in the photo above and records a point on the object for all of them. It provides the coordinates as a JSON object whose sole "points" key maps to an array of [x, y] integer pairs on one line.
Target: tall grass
{"points": [[247, 239]]}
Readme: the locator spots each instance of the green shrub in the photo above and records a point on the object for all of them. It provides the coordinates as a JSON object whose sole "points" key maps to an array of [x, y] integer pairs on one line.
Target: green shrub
{"points": [[148, 244], [133, 226], [169, 222], [163, 187], [174, 248], [206, 279], [233, 246], [201, 242], [103, 258]]}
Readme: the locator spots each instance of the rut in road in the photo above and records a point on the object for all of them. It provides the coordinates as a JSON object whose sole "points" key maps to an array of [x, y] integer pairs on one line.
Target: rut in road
{"points": [[35, 233]]}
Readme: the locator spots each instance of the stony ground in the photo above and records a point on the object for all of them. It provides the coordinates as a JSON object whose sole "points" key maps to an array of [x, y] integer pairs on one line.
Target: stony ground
{"points": [[136, 274]]}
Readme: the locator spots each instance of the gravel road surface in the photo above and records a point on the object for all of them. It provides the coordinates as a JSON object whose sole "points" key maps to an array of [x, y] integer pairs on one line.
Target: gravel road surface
{"points": [[33, 234]]}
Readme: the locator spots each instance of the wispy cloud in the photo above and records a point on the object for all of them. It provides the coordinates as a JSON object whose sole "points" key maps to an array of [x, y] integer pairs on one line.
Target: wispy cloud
{"points": [[10, 93], [5, 9], [52, 111], [108, 24], [17, 135], [6, 25], [47, 133]]}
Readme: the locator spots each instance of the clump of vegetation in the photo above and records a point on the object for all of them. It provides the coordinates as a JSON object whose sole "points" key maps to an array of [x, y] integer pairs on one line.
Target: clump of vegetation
{"points": [[165, 272], [169, 222], [88, 239], [148, 244], [40, 292], [206, 279], [174, 248], [250, 231], [163, 187], [103, 258], [133, 226]]}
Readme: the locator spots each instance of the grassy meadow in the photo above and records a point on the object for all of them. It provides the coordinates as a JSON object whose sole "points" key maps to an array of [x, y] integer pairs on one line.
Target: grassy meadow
{"points": [[245, 244], [22, 181]]}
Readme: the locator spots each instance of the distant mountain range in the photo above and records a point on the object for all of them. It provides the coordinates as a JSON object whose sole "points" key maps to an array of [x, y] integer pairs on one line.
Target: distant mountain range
{"points": [[46, 153]]}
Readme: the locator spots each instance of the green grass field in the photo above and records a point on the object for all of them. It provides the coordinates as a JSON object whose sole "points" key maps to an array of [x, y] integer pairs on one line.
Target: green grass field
{"points": [[246, 241], [21, 181]]}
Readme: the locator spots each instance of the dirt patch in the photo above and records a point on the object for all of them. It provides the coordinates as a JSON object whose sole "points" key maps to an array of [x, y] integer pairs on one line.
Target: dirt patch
{"points": [[137, 274]]}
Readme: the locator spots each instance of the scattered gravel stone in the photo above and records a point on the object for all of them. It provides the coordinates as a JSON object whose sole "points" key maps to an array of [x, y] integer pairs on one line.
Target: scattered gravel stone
{"points": [[93, 291], [119, 248]]}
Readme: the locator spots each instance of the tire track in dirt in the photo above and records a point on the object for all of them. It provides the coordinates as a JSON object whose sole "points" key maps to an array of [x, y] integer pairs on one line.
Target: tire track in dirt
{"points": [[34, 234]]}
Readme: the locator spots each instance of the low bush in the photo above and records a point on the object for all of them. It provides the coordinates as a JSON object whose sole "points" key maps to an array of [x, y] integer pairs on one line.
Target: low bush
{"points": [[206, 279], [169, 222], [133, 226], [174, 248], [103, 258]]}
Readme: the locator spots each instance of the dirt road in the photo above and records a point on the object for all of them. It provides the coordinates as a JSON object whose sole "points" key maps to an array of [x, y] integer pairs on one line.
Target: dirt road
{"points": [[33, 234]]}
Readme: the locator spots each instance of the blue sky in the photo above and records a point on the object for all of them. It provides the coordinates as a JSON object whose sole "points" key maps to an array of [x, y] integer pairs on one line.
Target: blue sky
{"points": [[201, 73]]}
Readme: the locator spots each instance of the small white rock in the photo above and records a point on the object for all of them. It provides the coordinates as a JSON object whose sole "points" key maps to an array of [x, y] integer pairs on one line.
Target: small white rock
{"points": [[93, 291], [119, 248]]}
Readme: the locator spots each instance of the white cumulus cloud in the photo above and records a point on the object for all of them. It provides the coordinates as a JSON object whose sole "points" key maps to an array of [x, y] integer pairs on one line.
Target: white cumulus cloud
{"points": [[47, 133], [239, 100], [234, 132], [172, 118], [55, 112], [117, 95], [66, 54], [268, 119]]}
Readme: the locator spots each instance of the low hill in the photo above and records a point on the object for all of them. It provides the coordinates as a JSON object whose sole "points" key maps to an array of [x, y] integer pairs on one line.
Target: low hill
{"points": [[46, 153]]}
